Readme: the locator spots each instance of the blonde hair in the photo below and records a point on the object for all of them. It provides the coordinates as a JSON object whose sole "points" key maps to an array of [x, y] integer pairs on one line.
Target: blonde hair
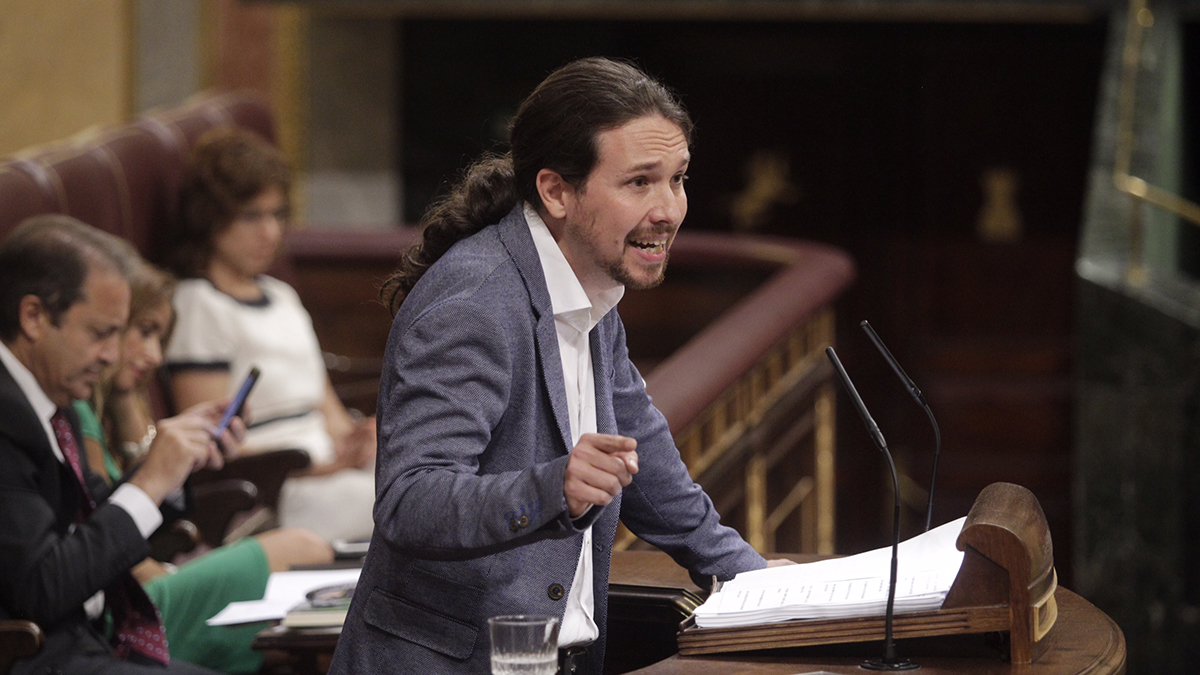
{"points": [[151, 286]]}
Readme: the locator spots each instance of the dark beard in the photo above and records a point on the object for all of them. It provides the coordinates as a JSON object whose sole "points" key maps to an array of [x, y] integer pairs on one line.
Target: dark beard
{"points": [[619, 274]]}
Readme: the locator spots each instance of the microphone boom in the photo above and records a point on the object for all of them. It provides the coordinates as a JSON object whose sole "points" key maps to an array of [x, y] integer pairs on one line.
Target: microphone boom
{"points": [[889, 660], [920, 399]]}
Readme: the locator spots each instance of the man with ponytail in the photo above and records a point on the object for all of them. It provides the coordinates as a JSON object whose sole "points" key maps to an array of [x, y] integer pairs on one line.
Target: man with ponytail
{"points": [[513, 428]]}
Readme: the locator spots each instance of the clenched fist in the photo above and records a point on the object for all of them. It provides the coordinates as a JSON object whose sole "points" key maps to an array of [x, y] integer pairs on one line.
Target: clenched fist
{"points": [[600, 465]]}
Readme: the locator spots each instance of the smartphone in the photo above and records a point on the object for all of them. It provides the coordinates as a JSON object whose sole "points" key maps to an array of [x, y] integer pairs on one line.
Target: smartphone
{"points": [[239, 400]]}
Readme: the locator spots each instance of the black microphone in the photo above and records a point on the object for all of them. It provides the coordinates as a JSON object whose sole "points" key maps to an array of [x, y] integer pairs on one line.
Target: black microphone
{"points": [[920, 399], [889, 660]]}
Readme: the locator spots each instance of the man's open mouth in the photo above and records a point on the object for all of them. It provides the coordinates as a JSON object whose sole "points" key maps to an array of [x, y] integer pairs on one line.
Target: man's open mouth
{"points": [[650, 246]]}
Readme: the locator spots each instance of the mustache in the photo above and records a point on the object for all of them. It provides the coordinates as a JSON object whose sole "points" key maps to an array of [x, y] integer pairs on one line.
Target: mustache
{"points": [[654, 231]]}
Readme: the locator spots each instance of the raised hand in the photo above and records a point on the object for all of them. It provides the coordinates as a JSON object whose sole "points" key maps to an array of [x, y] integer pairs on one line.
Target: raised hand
{"points": [[600, 465], [184, 444]]}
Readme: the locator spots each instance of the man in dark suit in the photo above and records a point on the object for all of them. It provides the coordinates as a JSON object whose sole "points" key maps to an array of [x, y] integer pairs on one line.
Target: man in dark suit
{"points": [[513, 427], [67, 541]]}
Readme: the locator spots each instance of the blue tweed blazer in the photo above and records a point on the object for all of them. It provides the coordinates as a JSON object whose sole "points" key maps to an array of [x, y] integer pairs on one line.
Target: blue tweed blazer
{"points": [[470, 517]]}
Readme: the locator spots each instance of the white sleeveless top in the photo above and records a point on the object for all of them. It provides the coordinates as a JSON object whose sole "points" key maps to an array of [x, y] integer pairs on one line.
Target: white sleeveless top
{"points": [[216, 331]]}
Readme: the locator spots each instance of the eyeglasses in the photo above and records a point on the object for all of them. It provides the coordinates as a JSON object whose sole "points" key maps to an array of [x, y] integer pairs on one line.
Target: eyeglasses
{"points": [[252, 216]]}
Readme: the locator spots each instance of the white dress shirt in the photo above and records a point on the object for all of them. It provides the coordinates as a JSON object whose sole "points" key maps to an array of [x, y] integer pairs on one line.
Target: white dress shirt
{"points": [[133, 499], [575, 314]]}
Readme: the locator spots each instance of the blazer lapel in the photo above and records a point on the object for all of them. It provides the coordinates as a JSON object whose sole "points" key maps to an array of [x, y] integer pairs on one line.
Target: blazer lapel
{"points": [[606, 419], [514, 234], [20, 424]]}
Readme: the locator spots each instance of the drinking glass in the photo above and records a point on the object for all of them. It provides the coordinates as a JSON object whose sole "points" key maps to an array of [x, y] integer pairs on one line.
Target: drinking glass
{"points": [[524, 645]]}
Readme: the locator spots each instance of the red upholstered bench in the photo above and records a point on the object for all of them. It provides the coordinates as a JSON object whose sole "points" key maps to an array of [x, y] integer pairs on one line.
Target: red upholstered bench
{"points": [[124, 180]]}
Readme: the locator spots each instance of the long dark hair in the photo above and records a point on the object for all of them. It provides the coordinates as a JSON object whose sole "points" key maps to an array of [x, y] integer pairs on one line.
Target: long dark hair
{"points": [[556, 128]]}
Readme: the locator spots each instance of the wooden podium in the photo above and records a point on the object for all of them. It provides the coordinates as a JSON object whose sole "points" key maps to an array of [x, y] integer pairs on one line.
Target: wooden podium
{"points": [[1007, 583], [649, 595]]}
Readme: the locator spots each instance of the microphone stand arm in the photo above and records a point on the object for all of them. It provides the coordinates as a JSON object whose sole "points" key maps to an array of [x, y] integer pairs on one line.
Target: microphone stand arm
{"points": [[889, 660], [920, 399], [937, 452]]}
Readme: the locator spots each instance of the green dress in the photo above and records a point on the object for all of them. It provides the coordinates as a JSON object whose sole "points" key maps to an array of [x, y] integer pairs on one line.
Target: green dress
{"points": [[201, 588]]}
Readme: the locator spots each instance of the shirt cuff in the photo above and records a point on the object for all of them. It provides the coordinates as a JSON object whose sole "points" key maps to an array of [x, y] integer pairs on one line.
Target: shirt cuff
{"points": [[139, 506]]}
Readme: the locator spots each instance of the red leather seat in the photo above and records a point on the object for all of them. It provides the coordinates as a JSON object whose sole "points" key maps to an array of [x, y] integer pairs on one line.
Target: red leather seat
{"points": [[124, 180]]}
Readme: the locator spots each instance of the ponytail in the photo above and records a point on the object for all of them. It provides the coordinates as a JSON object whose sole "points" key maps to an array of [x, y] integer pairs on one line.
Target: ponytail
{"points": [[483, 195]]}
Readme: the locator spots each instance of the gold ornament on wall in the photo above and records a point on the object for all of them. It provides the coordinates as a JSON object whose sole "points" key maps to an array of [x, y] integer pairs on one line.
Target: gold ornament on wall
{"points": [[768, 182], [999, 220]]}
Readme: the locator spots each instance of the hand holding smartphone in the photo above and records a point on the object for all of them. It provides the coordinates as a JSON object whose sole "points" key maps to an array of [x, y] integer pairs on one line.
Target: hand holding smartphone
{"points": [[235, 406]]}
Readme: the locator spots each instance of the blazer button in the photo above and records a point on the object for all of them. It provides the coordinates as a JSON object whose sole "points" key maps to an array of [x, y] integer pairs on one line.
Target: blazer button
{"points": [[555, 592], [523, 521], [513, 525]]}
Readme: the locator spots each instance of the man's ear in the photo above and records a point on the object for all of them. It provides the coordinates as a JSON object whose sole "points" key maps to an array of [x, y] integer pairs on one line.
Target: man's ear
{"points": [[554, 192], [33, 317]]}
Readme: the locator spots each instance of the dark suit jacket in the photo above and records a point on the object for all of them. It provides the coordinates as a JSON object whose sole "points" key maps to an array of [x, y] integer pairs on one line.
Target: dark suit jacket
{"points": [[49, 566], [470, 517]]}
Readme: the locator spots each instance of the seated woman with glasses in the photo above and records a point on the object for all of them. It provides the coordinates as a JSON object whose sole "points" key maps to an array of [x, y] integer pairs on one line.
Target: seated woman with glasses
{"points": [[233, 317]]}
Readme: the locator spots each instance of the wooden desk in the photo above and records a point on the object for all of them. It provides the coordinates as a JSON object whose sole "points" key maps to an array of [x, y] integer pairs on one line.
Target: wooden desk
{"points": [[1084, 639], [649, 594]]}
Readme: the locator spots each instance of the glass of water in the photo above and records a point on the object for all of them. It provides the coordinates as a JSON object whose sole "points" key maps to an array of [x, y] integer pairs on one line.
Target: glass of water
{"points": [[524, 644]]}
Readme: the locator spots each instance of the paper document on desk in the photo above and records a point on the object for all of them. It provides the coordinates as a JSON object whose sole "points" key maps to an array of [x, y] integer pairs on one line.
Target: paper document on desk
{"points": [[284, 591], [853, 586]]}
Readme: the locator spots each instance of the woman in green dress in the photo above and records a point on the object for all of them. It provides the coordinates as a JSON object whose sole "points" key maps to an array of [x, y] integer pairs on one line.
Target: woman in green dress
{"points": [[118, 428]]}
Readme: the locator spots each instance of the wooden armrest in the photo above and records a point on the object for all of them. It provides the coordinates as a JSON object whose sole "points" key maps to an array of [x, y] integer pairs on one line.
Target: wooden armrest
{"points": [[18, 640], [216, 504], [182, 536]]}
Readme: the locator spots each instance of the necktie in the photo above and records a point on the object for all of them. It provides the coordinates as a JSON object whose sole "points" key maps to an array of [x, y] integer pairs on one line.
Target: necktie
{"points": [[137, 626]]}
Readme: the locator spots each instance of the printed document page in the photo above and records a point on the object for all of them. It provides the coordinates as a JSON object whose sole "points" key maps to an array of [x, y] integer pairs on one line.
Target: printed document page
{"points": [[841, 587], [284, 591]]}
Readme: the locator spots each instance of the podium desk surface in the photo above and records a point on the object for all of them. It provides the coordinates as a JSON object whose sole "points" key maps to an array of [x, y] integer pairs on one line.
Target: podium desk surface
{"points": [[1083, 640]]}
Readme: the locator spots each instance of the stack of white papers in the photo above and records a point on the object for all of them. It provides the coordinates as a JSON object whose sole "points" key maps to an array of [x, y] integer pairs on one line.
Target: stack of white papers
{"points": [[284, 591], [854, 586]]}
